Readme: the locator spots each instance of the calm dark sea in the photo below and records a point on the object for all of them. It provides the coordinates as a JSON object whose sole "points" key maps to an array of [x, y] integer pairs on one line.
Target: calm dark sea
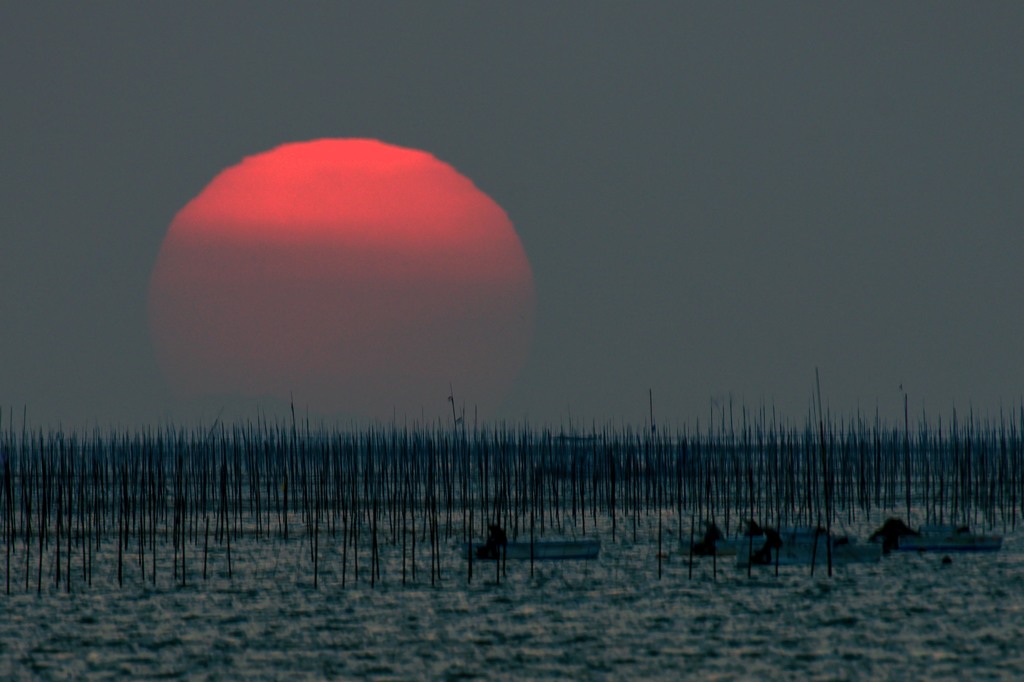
{"points": [[906, 617]]}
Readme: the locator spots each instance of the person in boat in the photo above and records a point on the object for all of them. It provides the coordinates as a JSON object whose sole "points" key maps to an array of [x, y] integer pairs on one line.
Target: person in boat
{"points": [[707, 546], [890, 533], [496, 539], [753, 530], [772, 542]]}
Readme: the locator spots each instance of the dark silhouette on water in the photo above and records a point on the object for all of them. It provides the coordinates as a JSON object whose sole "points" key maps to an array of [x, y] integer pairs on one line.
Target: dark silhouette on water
{"points": [[496, 539], [706, 547], [890, 533], [772, 542]]}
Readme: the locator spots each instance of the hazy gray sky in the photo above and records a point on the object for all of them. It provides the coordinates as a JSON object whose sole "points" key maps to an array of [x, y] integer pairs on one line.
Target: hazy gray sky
{"points": [[715, 198]]}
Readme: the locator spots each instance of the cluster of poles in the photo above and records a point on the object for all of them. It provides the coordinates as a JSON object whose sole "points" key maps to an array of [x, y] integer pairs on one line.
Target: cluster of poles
{"points": [[163, 496]]}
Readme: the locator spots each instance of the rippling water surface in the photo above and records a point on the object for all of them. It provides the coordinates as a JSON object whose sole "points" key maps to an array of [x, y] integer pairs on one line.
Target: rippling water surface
{"points": [[907, 616]]}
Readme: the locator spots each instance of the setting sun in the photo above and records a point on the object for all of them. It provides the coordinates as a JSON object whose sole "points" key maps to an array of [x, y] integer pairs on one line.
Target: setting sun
{"points": [[362, 277]]}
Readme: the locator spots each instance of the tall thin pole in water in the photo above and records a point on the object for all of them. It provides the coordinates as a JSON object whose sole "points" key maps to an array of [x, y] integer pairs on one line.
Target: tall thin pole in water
{"points": [[693, 520], [316, 548], [532, 540], [906, 452], [650, 402], [750, 541], [206, 546], [828, 479], [8, 515]]}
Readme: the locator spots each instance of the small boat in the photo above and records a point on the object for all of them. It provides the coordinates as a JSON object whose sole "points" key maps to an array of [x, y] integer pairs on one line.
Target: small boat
{"points": [[897, 536], [949, 538], [542, 550], [714, 543], [722, 547], [802, 546]]}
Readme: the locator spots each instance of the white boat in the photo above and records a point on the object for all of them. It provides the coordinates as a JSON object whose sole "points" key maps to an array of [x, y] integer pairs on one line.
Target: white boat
{"points": [[895, 535], [714, 543], [544, 550], [802, 546], [948, 538], [723, 547], [729, 546]]}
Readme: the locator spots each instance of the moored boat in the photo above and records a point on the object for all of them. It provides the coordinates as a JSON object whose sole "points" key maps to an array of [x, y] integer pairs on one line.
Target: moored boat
{"points": [[895, 535], [948, 538], [542, 550], [713, 543], [803, 546]]}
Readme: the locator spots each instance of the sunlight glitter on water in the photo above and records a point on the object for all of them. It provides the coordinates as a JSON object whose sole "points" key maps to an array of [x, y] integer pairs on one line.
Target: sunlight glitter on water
{"points": [[907, 616]]}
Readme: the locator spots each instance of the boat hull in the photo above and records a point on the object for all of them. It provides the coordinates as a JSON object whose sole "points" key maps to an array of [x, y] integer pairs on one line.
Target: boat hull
{"points": [[799, 548], [949, 539], [547, 550]]}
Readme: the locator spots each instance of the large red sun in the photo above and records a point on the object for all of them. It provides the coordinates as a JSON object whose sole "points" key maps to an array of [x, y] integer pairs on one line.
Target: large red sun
{"points": [[361, 277]]}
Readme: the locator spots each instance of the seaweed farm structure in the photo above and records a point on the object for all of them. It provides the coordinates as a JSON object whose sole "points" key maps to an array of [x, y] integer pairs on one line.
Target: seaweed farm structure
{"points": [[173, 505]]}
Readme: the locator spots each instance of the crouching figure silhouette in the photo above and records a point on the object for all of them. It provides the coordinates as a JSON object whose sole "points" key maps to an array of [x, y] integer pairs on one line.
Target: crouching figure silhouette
{"points": [[496, 539]]}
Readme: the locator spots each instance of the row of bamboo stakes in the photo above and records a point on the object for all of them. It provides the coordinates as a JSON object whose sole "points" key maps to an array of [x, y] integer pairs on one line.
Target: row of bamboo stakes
{"points": [[174, 490]]}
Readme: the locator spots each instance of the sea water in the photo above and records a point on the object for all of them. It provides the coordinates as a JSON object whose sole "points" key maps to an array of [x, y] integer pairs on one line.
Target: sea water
{"points": [[624, 615]]}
